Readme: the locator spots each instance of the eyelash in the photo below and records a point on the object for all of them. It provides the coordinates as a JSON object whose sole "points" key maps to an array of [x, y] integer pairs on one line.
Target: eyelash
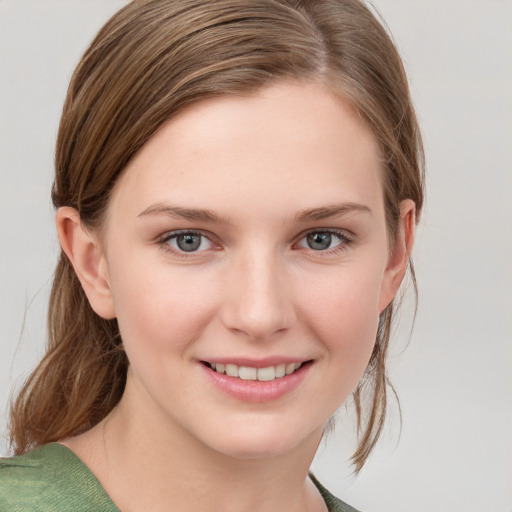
{"points": [[163, 242], [345, 240]]}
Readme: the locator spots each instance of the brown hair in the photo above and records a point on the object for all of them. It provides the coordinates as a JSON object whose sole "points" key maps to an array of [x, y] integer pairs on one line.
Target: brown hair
{"points": [[151, 60]]}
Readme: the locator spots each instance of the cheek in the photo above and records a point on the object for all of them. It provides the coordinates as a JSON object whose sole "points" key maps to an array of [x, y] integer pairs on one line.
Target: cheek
{"points": [[161, 308], [341, 314], [343, 311]]}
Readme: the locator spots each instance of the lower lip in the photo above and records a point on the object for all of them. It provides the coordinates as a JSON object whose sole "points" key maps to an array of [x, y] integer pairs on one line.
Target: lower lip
{"points": [[255, 390]]}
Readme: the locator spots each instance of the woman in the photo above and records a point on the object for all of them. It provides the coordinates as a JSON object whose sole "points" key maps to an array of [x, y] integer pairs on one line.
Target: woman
{"points": [[237, 187]]}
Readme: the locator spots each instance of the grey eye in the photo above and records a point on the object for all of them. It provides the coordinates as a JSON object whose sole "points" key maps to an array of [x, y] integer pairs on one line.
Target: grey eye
{"points": [[319, 241], [188, 242]]}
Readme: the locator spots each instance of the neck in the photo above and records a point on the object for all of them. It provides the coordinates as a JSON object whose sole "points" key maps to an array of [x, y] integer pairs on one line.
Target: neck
{"points": [[141, 474]]}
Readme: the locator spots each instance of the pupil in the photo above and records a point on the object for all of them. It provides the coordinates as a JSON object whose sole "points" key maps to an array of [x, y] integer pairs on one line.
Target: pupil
{"points": [[319, 241], [189, 242]]}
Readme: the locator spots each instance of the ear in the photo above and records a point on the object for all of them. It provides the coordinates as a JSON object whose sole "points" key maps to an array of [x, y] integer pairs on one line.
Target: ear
{"points": [[399, 254], [85, 254]]}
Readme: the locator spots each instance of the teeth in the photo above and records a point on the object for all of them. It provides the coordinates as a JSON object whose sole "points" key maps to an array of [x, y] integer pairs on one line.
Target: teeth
{"points": [[261, 374], [280, 370], [232, 370], [290, 368], [247, 373], [265, 374]]}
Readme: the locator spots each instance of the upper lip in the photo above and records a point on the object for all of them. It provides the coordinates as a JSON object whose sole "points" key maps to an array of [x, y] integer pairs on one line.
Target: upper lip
{"points": [[256, 363]]}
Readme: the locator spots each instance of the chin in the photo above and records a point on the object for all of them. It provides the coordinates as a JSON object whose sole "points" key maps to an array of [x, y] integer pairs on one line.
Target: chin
{"points": [[261, 442]]}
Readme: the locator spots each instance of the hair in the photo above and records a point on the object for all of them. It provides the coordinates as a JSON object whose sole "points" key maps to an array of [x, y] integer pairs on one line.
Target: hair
{"points": [[150, 61]]}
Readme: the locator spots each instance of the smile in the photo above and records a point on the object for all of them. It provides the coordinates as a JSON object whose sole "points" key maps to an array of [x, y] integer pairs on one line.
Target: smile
{"points": [[256, 381], [250, 373]]}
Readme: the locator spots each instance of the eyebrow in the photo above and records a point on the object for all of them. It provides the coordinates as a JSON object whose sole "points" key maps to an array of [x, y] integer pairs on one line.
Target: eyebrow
{"points": [[179, 212], [326, 212], [321, 213]]}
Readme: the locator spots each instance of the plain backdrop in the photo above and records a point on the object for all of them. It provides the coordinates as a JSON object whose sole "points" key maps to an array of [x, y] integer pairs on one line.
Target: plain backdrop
{"points": [[454, 451]]}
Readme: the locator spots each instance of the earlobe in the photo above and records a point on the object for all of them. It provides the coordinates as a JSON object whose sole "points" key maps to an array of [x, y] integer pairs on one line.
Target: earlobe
{"points": [[399, 253], [86, 256]]}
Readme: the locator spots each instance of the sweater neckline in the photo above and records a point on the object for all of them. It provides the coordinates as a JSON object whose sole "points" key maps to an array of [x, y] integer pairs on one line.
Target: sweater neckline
{"points": [[92, 481]]}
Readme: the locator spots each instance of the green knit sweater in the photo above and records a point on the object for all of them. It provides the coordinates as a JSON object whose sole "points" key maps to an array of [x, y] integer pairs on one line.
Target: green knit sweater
{"points": [[53, 479]]}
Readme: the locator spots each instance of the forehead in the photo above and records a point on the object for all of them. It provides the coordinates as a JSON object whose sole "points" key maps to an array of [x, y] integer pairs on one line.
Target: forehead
{"points": [[288, 145]]}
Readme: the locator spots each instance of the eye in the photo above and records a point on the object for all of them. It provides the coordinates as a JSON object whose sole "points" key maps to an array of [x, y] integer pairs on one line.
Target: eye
{"points": [[187, 241], [324, 240]]}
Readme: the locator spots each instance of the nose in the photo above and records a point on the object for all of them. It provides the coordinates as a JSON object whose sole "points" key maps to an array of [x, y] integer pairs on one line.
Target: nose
{"points": [[258, 302]]}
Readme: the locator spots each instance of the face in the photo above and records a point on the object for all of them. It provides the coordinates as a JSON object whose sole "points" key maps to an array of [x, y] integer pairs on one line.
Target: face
{"points": [[247, 257]]}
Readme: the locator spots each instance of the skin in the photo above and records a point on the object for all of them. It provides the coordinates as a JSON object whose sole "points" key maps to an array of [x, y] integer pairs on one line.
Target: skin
{"points": [[287, 161]]}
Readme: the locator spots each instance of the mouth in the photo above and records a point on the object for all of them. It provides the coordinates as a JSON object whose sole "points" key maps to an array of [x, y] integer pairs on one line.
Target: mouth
{"points": [[257, 381], [266, 374]]}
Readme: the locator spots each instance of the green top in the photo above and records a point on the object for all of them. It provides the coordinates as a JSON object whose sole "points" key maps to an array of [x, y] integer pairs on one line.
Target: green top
{"points": [[52, 478]]}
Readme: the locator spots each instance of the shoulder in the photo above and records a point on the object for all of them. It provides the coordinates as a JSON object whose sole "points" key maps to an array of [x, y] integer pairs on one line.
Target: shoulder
{"points": [[333, 504], [50, 478]]}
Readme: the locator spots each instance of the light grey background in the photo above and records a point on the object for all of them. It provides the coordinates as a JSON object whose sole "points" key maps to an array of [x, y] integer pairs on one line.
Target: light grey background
{"points": [[454, 379]]}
